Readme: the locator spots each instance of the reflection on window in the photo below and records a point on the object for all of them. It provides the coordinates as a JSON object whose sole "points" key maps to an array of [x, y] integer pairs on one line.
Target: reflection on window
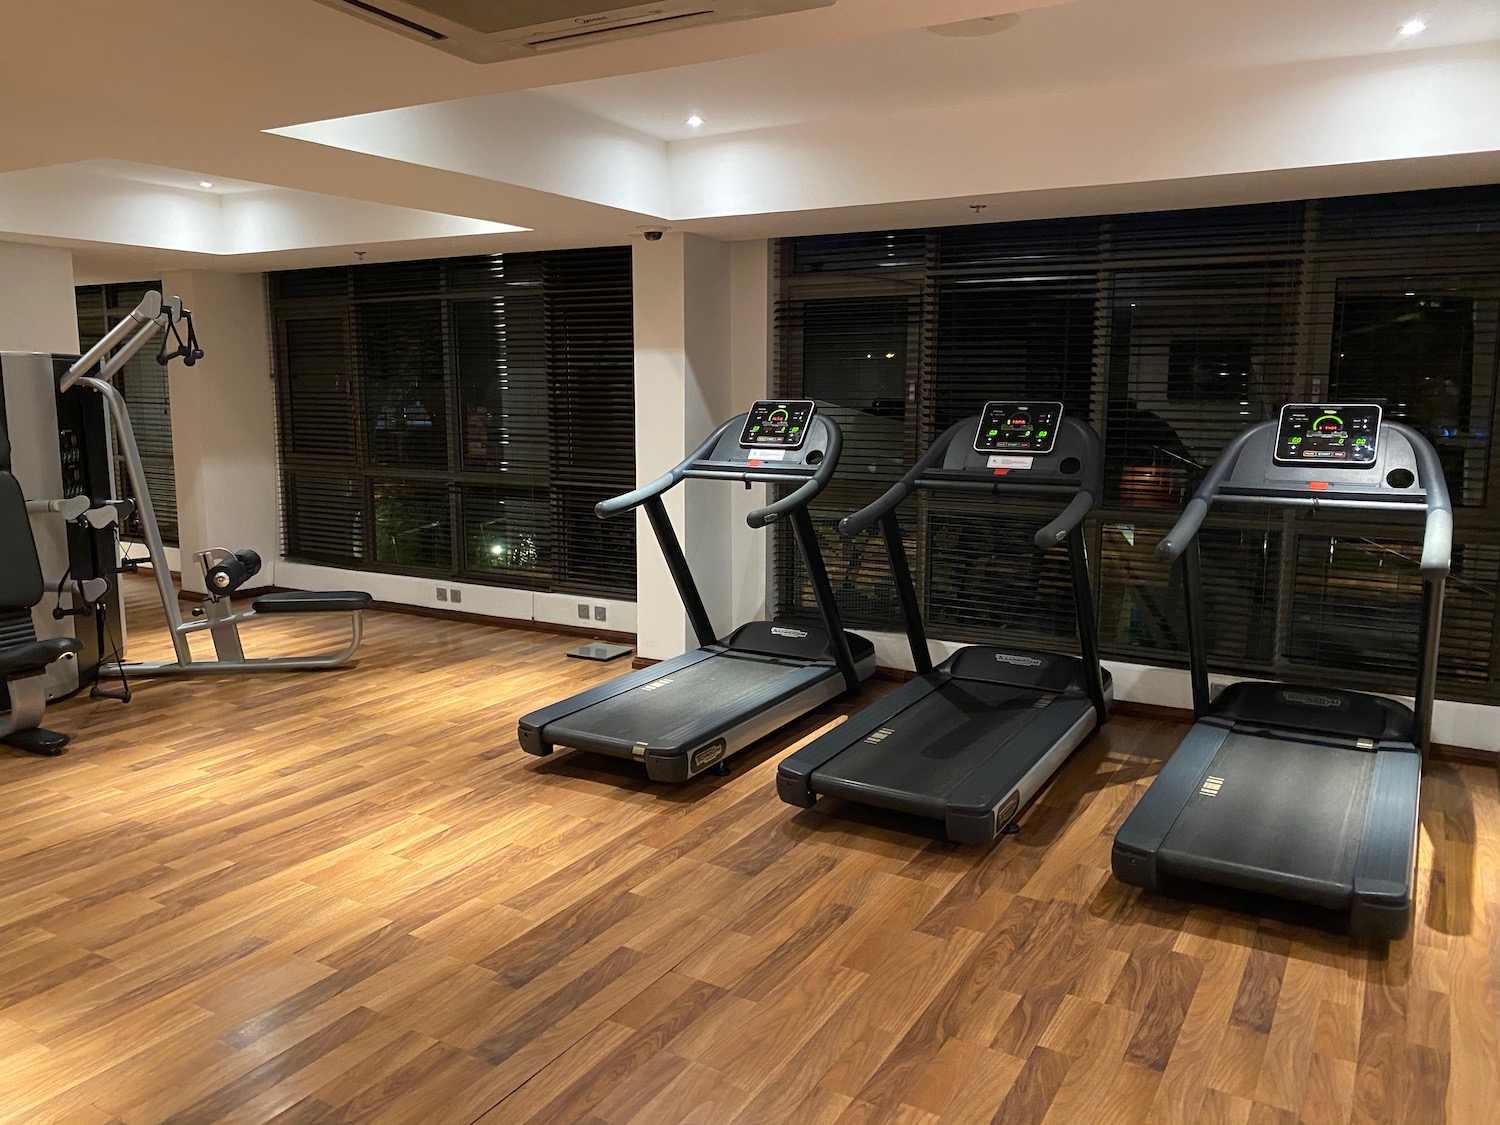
{"points": [[1425, 350], [504, 534], [412, 526]]}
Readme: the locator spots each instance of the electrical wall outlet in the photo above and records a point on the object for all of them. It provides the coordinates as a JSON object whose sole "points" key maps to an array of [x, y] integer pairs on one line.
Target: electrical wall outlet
{"points": [[442, 592], [583, 611], [455, 595], [600, 613]]}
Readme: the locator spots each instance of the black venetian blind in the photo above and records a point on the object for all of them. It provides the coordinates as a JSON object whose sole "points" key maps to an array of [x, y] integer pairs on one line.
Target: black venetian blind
{"points": [[460, 417], [143, 383], [1169, 332]]}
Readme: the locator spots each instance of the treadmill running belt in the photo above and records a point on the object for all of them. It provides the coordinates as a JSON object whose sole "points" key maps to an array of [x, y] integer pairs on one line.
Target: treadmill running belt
{"points": [[1276, 817], [687, 707], [936, 744]]}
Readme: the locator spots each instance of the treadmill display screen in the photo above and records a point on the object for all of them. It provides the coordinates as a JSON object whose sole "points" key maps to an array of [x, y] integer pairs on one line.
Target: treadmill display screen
{"points": [[1341, 436], [1018, 427], [777, 424]]}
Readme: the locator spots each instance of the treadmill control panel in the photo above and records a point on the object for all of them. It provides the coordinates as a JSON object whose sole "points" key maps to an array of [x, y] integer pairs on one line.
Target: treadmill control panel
{"points": [[1018, 427], [777, 424], [1322, 435]]}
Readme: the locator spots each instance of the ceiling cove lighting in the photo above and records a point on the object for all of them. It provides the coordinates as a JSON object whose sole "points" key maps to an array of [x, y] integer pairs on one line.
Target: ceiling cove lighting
{"points": [[1413, 27], [695, 122]]}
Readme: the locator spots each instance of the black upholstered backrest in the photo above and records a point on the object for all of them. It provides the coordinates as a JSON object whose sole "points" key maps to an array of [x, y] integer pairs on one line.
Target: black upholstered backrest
{"points": [[20, 570]]}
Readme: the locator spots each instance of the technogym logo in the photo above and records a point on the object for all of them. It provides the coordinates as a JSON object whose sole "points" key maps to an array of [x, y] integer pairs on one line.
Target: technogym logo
{"points": [[1313, 699], [794, 634], [1018, 661]]}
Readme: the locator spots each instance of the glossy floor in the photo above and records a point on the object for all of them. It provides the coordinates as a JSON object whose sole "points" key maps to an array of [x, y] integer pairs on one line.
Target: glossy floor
{"points": [[348, 897]]}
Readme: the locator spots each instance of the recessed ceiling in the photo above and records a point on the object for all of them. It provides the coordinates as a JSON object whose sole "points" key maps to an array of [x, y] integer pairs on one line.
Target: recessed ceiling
{"points": [[846, 116]]}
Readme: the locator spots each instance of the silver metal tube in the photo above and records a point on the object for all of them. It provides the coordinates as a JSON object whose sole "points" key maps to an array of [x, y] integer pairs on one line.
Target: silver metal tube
{"points": [[147, 311], [125, 433], [111, 366]]}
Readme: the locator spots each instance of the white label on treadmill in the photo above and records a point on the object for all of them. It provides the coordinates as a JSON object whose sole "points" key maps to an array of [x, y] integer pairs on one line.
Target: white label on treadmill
{"points": [[767, 454], [1004, 461], [794, 634], [1018, 661]]}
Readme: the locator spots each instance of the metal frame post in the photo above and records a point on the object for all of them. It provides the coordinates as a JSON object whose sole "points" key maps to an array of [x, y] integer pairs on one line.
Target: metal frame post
{"points": [[812, 558], [1192, 573], [906, 591], [1088, 626], [682, 574]]}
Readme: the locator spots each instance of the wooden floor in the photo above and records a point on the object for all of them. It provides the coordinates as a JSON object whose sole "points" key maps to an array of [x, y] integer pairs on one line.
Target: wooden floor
{"points": [[348, 897]]}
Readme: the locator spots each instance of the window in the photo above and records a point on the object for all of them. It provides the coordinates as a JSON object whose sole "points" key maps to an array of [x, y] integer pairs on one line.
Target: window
{"points": [[461, 417], [1169, 332], [143, 383]]}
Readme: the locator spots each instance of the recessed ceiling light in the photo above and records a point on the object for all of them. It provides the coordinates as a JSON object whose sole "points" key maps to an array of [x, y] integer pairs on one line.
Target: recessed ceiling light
{"points": [[205, 183], [1414, 27], [695, 122]]}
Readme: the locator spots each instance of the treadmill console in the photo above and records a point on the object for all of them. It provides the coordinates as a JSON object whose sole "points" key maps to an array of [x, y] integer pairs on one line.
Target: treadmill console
{"points": [[1328, 436], [1018, 427], [777, 424]]}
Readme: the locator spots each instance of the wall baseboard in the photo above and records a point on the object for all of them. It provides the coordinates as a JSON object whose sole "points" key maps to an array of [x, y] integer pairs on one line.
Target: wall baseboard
{"points": [[609, 635]]}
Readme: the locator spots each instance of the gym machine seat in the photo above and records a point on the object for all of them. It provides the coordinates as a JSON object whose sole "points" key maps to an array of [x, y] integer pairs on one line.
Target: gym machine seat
{"points": [[24, 658], [313, 601]]}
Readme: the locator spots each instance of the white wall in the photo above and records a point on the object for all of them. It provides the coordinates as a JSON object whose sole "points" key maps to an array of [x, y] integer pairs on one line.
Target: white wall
{"points": [[224, 423], [682, 392], [750, 379], [38, 311]]}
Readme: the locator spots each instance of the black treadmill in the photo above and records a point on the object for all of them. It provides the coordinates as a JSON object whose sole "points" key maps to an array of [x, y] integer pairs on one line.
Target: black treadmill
{"points": [[688, 714], [1301, 793], [970, 742]]}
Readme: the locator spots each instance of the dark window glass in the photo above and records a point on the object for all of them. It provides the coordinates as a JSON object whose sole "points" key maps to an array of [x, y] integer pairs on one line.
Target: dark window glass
{"points": [[461, 417], [1169, 332]]}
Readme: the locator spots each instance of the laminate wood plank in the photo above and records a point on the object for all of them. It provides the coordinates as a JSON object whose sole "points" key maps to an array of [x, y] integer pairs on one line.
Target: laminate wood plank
{"points": [[350, 898]]}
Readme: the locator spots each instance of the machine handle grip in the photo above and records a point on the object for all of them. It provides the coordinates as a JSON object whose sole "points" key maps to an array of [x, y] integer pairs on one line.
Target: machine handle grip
{"points": [[634, 499], [1437, 544], [617, 504], [866, 518], [1187, 525], [773, 512], [1066, 522]]}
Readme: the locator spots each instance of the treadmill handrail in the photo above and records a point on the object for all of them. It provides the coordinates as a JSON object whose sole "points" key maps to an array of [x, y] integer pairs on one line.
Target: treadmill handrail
{"points": [[1067, 521], [1050, 536], [760, 517], [1437, 538], [804, 495], [1437, 534], [1186, 528], [664, 483], [866, 518]]}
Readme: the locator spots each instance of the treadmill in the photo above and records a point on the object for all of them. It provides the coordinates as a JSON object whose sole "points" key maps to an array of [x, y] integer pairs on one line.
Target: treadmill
{"points": [[1301, 793], [971, 741], [689, 714]]}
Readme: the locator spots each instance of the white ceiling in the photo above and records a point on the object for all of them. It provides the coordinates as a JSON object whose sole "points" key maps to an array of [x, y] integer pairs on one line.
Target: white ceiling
{"points": [[840, 118], [1080, 44]]}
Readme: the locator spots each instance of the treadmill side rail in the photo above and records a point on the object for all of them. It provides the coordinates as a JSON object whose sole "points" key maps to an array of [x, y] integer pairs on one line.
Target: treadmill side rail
{"points": [[1140, 838], [532, 727], [794, 774], [1385, 869]]}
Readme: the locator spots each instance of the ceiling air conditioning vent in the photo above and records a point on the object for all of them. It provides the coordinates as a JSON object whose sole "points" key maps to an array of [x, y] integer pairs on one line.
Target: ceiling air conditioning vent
{"points": [[499, 30]]}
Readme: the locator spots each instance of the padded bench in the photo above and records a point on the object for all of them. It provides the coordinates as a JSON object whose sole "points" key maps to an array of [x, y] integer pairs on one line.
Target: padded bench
{"points": [[313, 601]]}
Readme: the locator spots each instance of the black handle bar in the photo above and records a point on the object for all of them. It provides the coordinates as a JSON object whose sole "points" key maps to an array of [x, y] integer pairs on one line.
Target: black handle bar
{"points": [[1437, 536], [761, 516]]}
